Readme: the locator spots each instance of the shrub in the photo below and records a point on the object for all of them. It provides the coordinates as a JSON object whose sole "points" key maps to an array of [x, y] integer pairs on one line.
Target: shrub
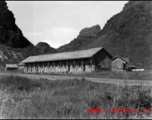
{"points": [[14, 83]]}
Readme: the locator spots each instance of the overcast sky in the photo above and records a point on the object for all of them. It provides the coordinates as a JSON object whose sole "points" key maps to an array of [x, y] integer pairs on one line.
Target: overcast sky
{"points": [[59, 22]]}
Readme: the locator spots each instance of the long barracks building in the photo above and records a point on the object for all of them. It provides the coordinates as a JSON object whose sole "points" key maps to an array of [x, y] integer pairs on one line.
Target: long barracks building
{"points": [[90, 60]]}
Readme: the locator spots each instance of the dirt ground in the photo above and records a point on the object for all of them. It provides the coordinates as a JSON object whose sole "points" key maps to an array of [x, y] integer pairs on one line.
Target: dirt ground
{"points": [[100, 80]]}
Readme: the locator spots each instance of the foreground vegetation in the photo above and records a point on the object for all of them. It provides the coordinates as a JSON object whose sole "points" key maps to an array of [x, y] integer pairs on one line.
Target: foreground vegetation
{"points": [[25, 98], [133, 75]]}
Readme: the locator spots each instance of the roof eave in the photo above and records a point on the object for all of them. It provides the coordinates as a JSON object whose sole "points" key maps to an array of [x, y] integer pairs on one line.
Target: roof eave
{"points": [[57, 60]]}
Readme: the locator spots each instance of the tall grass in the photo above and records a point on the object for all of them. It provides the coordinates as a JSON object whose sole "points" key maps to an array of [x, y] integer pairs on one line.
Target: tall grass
{"points": [[136, 75], [25, 98]]}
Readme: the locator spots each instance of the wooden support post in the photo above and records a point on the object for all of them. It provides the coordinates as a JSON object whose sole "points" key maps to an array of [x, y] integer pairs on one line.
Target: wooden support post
{"points": [[82, 65], [74, 66], [38, 67], [35, 67], [43, 66], [54, 66], [26, 67], [29, 68], [48, 67], [32, 67], [60, 66], [91, 64], [67, 66]]}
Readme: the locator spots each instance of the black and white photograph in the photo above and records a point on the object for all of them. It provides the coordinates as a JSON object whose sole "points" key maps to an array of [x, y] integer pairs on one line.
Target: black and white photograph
{"points": [[75, 59]]}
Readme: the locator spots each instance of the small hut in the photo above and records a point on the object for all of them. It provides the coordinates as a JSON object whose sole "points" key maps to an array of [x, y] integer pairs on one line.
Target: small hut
{"points": [[119, 64], [131, 67], [11, 67]]}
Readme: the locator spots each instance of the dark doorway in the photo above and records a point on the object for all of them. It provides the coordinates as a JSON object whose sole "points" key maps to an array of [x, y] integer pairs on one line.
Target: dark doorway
{"points": [[11, 69], [124, 66], [68, 68]]}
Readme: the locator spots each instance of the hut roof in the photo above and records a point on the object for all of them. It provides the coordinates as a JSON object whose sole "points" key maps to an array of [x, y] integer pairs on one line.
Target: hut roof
{"points": [[131, 66], [124, 59], [11, 65], [63, 56], [21, 63]]}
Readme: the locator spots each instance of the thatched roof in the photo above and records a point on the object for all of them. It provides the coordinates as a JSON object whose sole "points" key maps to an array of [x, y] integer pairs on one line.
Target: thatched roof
{"points": [[11, 66], [63, 56]]}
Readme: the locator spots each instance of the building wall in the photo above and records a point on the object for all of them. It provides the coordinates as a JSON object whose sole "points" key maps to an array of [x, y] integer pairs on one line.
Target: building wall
{"points": [[117, 65], [102, 61], [21, 67], [78, 69], [71, 66]]}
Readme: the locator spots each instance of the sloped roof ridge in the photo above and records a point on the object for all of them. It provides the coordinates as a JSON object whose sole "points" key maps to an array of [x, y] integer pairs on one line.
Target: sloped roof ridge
{"points": [[68, 52], [64, 55], [117, 56]]}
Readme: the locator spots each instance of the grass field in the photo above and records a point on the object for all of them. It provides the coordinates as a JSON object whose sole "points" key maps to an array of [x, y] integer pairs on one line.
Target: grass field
{"points": [[27, 98], [136, 75]]}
